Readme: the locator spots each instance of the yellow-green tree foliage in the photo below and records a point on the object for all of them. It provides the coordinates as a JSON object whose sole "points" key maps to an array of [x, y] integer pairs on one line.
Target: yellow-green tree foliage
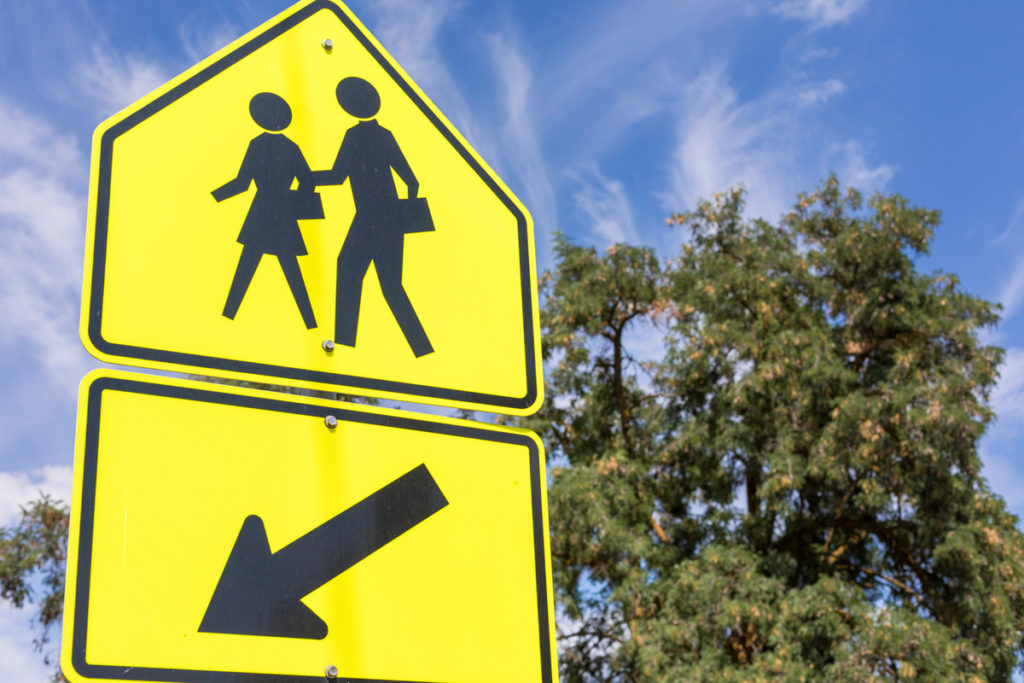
{"points": [[791, 489], [33, 553]]}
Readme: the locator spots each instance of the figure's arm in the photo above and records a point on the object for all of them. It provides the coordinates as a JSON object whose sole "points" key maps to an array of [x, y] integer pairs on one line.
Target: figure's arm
{"points": [[337, 174], [324, 177], [402, 168], [239, 183], [305, 177]]}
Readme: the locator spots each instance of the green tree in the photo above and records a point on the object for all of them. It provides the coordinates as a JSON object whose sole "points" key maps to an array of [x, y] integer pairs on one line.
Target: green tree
{"points": [[33, 553], [792, 490]]}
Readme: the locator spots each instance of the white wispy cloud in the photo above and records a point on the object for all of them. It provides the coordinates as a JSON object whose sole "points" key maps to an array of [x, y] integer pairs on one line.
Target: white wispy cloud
{"points": [[1000, 469], [1013, 225], [820, 13], [1001, 444], [633, 105], [821, 92], [42, 220], [112, 80], [20, 488], [19, 662], [31, 141], [412, 35], [1012, 293], [521, 138], [814, 54], [724, 142], [847, 160], [409, 31], [762, 144], [200, 39], [40, 269], [1008, 398], [619, 42], [605, 203]]}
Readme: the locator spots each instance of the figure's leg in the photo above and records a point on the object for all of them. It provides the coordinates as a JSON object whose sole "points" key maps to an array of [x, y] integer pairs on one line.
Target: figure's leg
{"points": [[353, 262], [247, 264], [290, 266], [388, 261]]}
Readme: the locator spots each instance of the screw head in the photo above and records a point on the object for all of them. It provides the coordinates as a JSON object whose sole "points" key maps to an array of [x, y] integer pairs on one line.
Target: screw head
{"points": [[331, 671], [328, 43], [328, 345], [331, 421]]}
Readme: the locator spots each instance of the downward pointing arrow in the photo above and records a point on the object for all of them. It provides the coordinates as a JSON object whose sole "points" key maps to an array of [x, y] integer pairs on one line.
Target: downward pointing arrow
{"points": [[260, 593]]}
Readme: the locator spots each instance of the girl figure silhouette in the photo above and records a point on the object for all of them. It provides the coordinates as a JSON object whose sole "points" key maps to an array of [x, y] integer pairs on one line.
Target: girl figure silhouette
{"points": [[273, 162]]}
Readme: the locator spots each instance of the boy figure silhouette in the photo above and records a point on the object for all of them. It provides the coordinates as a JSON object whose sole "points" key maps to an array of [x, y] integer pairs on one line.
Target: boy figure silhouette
{"points": [[367, 154], [272, 161]]}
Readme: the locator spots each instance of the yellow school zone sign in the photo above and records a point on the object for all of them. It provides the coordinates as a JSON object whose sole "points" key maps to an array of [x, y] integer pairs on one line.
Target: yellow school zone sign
{"points": [[226, 534], [294, 210]]}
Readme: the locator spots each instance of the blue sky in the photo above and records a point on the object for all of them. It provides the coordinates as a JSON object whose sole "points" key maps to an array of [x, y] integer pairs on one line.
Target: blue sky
{"points": [[603, 116]]}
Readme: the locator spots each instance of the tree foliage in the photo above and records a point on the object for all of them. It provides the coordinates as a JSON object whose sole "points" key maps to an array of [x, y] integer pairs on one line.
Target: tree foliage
{"points": [[33, 554], [790, 486]]}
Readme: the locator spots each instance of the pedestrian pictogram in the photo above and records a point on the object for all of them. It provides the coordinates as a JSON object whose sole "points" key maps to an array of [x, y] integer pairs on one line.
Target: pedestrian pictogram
{"points": [[271, 162], [221, 534], [294, 209], [366, 159]]}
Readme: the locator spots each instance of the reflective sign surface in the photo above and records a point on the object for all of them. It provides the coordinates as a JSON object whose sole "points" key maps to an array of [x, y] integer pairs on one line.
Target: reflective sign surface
{"points": [[223, 534], [303, 214]]}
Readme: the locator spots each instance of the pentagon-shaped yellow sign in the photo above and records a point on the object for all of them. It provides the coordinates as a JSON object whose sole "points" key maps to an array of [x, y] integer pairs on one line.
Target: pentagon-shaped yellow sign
{"points": [[221, 534], [295, 210]]}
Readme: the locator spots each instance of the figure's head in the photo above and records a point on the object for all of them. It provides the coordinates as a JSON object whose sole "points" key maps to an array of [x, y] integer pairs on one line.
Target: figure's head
{"points": [[358, 97], [270, 111]]}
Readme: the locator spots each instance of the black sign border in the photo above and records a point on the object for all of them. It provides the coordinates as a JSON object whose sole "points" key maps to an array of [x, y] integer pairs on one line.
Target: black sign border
{"points": [[87, 503], [356, 382]]}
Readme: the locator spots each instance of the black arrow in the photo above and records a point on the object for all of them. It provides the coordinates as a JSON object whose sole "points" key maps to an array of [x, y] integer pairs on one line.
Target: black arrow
{"points": [[259, 593]]}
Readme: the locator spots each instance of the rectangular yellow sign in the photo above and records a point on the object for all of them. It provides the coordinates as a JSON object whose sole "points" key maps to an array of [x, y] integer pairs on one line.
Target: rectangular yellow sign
{"points": [[226, 534]]}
